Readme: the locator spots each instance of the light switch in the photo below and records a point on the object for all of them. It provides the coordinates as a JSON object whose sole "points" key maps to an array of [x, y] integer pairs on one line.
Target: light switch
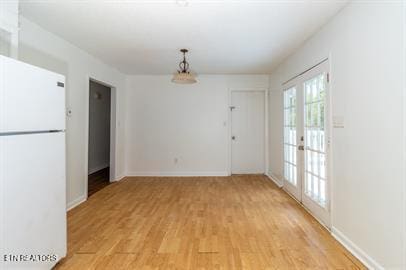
{"points": [[338, 121]]}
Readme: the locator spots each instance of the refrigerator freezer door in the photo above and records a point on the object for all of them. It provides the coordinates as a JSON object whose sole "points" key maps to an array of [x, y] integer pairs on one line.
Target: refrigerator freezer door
{"points": [[30, 98], [33, 207]]}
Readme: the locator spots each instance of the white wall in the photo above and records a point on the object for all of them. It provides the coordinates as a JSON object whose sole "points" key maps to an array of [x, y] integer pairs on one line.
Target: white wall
{"points": [[275, 101], [364, 42], [99, 127], [44, 49], [167, 121], [9, 28]]}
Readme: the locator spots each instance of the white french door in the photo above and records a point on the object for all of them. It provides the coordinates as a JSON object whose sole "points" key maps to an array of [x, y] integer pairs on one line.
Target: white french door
{"points": [[306, 140], [291, 161]]}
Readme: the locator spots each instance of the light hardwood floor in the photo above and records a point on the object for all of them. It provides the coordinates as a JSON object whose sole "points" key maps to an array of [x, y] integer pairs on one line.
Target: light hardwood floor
{"points": [[237, 222]]}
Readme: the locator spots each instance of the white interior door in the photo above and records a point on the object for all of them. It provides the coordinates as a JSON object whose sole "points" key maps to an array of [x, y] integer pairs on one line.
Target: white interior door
{"points": [[248, 132], [306, 141]]}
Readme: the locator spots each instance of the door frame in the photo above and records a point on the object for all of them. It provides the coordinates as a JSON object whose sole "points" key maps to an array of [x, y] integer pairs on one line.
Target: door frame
{"points": [[113, 131], [404, 128], [266, 135]]}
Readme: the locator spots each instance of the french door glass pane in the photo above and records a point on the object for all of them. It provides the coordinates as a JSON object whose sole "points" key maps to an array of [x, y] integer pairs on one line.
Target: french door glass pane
{"points": [[314, 141], [289, 140]]}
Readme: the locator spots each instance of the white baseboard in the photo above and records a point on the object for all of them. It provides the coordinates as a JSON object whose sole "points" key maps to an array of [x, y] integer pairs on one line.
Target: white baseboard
{"points": [[83, 198], [355, 250], [98, 168], [75, 202], [177, 174], [119, 178], [275, 179]]}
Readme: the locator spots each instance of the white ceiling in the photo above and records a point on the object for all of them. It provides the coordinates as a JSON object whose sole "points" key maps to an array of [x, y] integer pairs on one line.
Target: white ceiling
{"points": [[224, 37]]}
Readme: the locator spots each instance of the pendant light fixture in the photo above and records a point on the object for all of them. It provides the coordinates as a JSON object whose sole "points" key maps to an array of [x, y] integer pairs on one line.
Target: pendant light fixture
{"points": [[183, 76]]}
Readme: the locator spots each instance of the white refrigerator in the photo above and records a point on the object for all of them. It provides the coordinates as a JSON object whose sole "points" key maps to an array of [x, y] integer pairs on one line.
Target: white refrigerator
{"points": [[32, 166]]}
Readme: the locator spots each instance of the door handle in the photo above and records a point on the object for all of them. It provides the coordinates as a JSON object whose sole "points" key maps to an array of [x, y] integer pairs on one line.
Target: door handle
{"points": [[300, 147], [233, 138]]}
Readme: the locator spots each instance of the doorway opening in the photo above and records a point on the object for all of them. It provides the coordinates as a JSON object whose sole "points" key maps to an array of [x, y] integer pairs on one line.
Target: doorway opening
{"points": [[99, 137]]}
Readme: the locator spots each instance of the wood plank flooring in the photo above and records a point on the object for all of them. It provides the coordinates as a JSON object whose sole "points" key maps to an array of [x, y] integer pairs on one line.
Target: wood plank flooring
{"points": [[237, 222], [98, 180]]}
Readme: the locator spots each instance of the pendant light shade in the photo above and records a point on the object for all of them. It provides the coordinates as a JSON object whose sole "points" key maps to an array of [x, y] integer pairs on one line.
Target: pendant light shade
{"points": [[183, 76]]}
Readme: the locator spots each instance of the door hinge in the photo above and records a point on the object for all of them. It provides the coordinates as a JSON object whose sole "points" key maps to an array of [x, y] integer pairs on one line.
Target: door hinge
{"points": [[328, 77]]}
